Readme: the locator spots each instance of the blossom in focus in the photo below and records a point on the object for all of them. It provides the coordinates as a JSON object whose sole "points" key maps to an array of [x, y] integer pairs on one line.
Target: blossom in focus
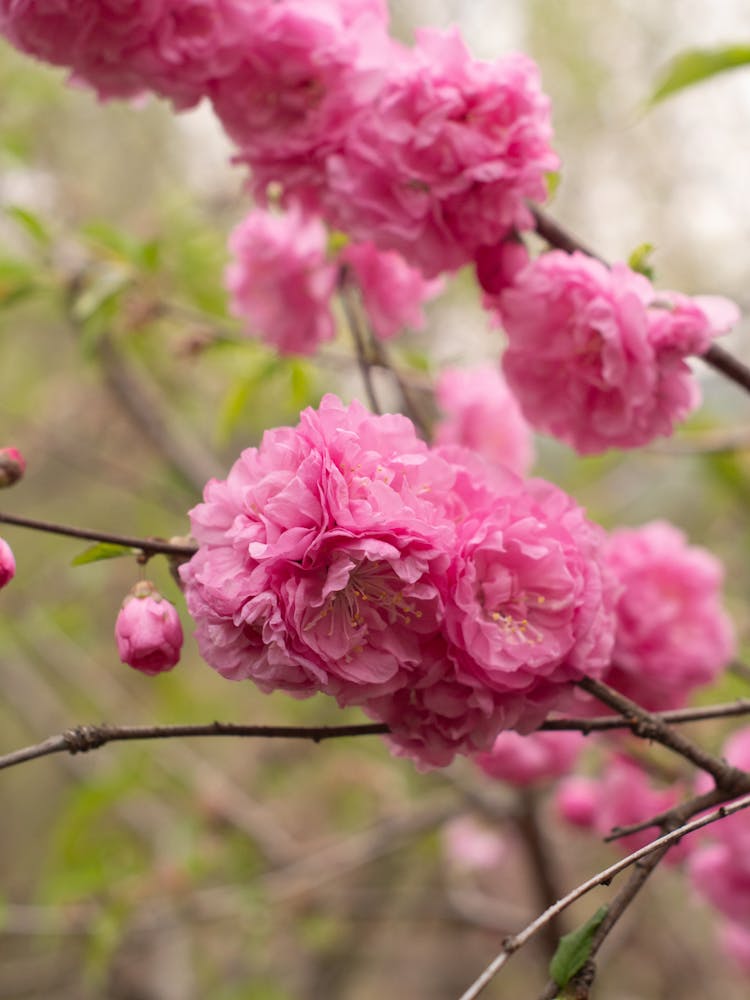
{"points": [[7, 563], [12, 466], [596, 356], [672, 633], [479, 412], [531, 603], [148, 631], [393, 293], [528, 760], [280, 281], [442, 160], [621, 796], [329, 559]]}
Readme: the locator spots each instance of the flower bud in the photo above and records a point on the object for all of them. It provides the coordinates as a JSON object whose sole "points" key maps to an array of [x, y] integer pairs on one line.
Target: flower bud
{"points": [[148, 630], [7, 563], [12, 466]]}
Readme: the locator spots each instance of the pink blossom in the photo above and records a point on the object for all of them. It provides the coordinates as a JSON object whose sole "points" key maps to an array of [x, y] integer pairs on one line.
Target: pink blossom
{"points": [[620, 797], [596, 356], [148, 631], [321, 561], [306, 68], [471, 845], [672, 634], [528, 760], [442, 160], [280, 281], [12, 466], [480, 413], [498, 265], [7, 563], [124, 47], [722, 876], [393, 293], [531, 603]]}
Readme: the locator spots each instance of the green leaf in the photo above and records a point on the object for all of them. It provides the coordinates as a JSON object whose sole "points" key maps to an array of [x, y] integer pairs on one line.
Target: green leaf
{"points": [[639, 260], [574, 949], [552, 180], [696, 65], [17, 280], [100, 551], [31, 223]]}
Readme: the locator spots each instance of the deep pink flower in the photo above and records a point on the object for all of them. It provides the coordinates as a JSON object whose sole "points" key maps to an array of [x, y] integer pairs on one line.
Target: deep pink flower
{"points": [[622, 796], [531, 602], [7, 563], [528, 760], [672, 634], [148, 631], [280, 280], [442, 160], [321, 560], [479, 412], [596, 356], [393, 293], [12, 466]]}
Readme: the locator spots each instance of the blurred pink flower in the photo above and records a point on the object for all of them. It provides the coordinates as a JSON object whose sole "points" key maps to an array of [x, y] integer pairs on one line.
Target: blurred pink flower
{"points": [[393, 293], [528, 760], [442, 160], [148, 631], [480, 413], [672, 634], [471, 845], [12, 466], [7, 563], [280, 280], [596, 356]]}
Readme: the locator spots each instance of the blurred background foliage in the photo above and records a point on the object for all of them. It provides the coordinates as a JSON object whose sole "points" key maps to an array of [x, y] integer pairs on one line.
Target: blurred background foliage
{"points": [[244, 870]]}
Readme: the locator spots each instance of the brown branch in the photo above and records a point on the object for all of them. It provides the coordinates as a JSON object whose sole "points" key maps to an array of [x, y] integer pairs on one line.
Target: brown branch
{"points": [[540, 862], [85, 738], [346, 293], [650, 727], [513, 943], [693, 806], [149, 546], [674, 717]]}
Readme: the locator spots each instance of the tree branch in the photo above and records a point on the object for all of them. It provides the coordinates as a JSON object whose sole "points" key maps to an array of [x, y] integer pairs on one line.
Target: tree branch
{"points": [[515, 942], [85, 738], [674, 717], [346, 291]]}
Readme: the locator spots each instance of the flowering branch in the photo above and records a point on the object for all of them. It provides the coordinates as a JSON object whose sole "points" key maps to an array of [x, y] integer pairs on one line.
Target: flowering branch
{"points": [[513, 943], [717, 357], [149, 546]]}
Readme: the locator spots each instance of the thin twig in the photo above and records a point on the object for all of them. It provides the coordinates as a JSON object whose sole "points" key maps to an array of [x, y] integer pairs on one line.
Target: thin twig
{"points": [[85, 738], [149, 546], [346, 292], [693, 806], [515, 942], [537, 848], [674, 717]]}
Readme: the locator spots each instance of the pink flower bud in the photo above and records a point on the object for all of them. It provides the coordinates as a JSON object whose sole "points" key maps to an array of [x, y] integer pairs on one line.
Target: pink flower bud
{"points": [[12, 466], [148, 630], [7, 563]]}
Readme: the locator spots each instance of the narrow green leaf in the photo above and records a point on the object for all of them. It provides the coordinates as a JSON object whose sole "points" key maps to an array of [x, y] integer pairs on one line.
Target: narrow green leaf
{"points": [[696, 65], [639, 260], [552, 180], [31, 223], [102, 550], [574, 949]]}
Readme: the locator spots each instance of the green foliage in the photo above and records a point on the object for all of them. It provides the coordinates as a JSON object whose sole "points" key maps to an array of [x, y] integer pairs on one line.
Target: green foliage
{"points": [[640, 260], [100, 551], [696, 65], [574, 949]]}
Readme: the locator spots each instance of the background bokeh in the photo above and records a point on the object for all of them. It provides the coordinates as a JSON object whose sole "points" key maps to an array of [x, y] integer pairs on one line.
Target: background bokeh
{"points": [[269, 871]]}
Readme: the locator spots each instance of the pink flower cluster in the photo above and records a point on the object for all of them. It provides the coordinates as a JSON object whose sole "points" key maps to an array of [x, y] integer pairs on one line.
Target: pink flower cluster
{"points": [[422, 150], [281, 280], [346, 556], [479, 412], [597, 357], [672, 634]]}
